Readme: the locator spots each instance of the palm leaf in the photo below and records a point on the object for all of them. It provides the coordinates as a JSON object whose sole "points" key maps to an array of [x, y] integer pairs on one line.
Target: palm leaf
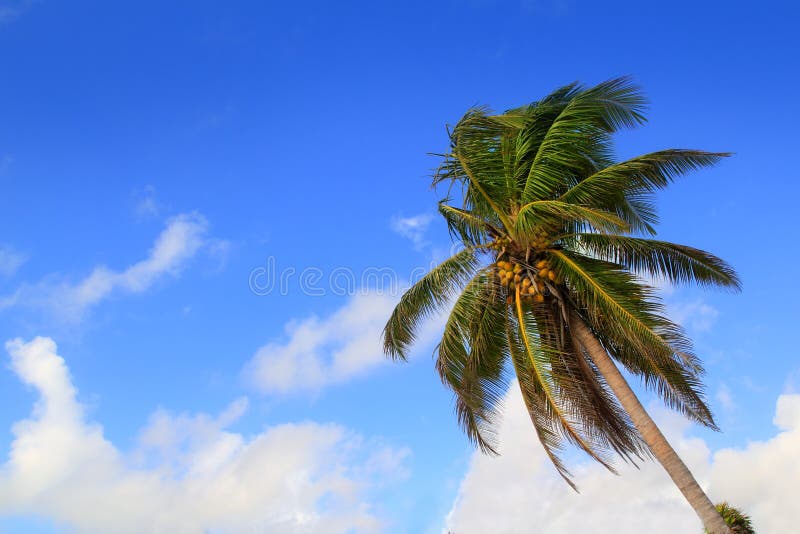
{"points": [[537, 405], [577, 142], [538, 362], [638, 175], [470, 357], [661, 259], [625, 316], [428, 295], [467, 226], [545, 214]]}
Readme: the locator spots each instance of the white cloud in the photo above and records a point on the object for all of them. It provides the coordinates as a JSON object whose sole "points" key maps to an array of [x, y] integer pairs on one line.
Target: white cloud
{"points": [[413, 228], [519, 490], [146, 204], [10, 261], [696, 314], [321, 352], [219, 251], [189, 474], [725, 397], [181, 239]]}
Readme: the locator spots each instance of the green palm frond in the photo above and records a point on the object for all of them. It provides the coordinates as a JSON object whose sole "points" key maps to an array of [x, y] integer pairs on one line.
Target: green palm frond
{"points": [[476, 161], [546, 214], [530, 125], [537, 405], [580, 381], [428, 295], [468, 227], [627, 187], [538, 363], [577, 142], [470, 357], [626, 317], [661, 259], [638, 210], [649, 172]]}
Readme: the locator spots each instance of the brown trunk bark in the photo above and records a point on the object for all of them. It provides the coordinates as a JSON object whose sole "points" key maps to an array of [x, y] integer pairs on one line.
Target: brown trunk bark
{"points": [[662, 450]]}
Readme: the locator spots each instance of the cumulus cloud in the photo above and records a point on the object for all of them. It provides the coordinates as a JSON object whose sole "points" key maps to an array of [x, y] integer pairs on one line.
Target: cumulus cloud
{"points": [[189, 474], [413, 228], [181, 239], [519, 490], [319, 352], [10, 261]]}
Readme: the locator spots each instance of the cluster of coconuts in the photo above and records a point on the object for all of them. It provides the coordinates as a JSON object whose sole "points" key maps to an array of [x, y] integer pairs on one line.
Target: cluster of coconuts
{"points": [[500, 243], [529, 280]]}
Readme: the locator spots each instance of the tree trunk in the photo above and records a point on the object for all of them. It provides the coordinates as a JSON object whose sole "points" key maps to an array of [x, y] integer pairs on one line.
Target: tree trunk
{"points": [[655, 440]]}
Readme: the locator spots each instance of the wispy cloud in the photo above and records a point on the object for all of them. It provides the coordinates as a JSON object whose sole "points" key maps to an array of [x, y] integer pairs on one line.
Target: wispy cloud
{"points": [[496, 495], [10, 10], [320, 352], [10, 261], [413, 228], [725, 397], [697, 315], [190, 473], [147, 206], [181, 239]]}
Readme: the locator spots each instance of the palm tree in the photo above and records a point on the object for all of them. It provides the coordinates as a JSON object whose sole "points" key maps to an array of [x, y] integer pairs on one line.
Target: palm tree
{"points": [[738, 521], [558, 241]]}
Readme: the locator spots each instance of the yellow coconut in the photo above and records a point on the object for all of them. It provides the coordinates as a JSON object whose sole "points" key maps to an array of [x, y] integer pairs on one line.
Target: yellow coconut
{"points": [[526, 282], [551, 275]]}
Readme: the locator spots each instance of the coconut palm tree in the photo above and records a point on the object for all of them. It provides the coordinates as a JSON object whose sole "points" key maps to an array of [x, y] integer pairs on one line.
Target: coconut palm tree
{"points": [[558, 242]]}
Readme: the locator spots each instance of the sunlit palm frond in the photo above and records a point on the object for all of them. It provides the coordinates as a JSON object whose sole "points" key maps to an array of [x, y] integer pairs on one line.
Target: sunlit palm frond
{"points": [[554, 216], [578, 141], [468, 227]]}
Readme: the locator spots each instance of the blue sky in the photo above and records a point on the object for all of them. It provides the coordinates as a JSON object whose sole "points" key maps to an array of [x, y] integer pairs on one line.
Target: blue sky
{"points": [[154, 156]]}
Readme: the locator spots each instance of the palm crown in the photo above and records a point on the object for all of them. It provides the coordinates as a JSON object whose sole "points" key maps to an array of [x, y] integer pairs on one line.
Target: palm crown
{"points": [[557, 237]]}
